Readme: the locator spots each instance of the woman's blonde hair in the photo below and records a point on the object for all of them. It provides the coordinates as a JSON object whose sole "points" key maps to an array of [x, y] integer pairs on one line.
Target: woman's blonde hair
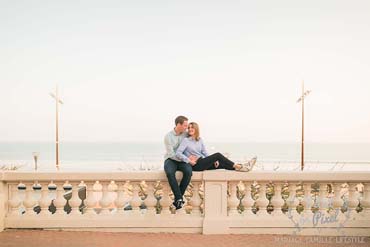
{"points": [[196, 130]]}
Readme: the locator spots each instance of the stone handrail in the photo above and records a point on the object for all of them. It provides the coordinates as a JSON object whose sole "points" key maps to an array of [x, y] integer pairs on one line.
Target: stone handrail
{"points": [[217, 202]]}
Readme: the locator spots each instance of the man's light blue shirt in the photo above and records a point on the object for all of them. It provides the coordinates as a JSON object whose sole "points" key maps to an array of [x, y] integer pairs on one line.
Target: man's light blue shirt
{"points": [[172, 142]]}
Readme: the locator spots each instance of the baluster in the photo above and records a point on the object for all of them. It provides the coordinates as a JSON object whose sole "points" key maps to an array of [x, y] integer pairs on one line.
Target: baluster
{"points": [[150, 201], [262, 200], [165, 200], [121, 199], [337, 200], [75, 200], [292, 200], [128, 196], [248, 200], [187, 197], [105, 200], [113, 194], [36, 195], [60, 201], [15, 201], [233, 200], [136, 200], [366, 200], [195, 200], [44, 201], [323, 197], [29, 202], [201, 195], [277, 201], [53, 191], [352, 197], [300, 198], [90, 201], [181, 211], [307, 202], [22, 196]]}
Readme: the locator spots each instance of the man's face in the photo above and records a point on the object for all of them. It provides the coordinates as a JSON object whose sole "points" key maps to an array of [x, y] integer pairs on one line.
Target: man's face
{"points": [[183, 126]]}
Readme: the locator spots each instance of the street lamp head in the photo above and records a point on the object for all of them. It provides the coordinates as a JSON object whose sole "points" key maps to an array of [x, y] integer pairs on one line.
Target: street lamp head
{"points": [[56, 98], [307, 93], [304, 95]]}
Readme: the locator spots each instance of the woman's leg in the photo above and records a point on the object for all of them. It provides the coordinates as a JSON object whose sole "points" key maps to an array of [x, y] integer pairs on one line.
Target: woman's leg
{"points": [[225, 162], [208, 163]]}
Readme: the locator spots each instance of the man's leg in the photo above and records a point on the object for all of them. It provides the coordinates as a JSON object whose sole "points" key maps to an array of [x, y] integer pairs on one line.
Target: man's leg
{"points": [[170, 167], [187, 172]]}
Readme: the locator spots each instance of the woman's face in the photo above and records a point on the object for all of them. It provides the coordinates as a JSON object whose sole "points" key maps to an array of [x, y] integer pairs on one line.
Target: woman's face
{"points": [[191, 130]]}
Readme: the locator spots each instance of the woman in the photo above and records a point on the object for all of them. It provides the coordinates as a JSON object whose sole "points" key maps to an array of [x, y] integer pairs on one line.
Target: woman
{"points": [[193, 151]]}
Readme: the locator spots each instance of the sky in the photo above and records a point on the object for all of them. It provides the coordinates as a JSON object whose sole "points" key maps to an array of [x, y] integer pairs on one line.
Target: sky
{"points": [[126, 69]]}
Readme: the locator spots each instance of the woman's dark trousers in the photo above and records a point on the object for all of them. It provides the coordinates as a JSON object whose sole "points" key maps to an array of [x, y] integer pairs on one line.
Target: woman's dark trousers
{"points": [[207, 163]]}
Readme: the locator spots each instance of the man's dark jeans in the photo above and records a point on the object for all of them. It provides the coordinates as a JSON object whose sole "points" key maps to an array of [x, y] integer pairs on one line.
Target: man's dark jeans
{"points": [[170, 167]]}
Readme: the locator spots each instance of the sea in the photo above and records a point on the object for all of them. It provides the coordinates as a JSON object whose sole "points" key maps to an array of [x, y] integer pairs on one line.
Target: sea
{"points": [[145, 156]]}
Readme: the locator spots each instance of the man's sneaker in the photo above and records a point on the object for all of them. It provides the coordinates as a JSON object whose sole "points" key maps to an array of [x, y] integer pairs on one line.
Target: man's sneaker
{"points": [[178, 203], [246, 167]]}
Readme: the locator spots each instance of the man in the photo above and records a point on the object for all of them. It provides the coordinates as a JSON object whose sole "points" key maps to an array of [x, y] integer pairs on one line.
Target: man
{"points": [[172, 164]]}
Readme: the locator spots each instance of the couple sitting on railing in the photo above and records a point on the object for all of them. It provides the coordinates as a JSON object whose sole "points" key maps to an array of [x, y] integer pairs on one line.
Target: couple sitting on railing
{"points": [[186, 152]]}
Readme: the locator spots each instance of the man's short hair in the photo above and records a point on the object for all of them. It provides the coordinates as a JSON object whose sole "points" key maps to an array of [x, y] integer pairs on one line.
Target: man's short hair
{"points": [[180, 120]]}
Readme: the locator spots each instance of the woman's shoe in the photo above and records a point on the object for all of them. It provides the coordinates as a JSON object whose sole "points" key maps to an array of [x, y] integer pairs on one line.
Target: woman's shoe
{"points": [[246, 167], [253, 161]]}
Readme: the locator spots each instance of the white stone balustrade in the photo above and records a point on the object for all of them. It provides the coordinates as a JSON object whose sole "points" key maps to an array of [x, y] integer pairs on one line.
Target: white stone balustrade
{"points": [[140, 201]]}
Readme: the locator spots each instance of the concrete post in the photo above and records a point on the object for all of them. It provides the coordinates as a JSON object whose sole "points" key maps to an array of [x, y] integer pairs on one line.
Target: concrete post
{"points": [[215, 203], [3, 204]]}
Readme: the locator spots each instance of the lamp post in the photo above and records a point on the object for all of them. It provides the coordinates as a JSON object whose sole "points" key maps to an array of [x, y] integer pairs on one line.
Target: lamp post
{"points": [[35, 158], [301, 99], [57, 102]]}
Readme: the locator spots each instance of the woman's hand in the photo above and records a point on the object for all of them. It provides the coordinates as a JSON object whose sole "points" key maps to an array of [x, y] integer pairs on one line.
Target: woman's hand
{"points": [[193, 160]]}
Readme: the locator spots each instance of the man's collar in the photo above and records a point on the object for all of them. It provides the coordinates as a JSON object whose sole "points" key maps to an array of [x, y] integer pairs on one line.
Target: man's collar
{"points": [[174, 132]]}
